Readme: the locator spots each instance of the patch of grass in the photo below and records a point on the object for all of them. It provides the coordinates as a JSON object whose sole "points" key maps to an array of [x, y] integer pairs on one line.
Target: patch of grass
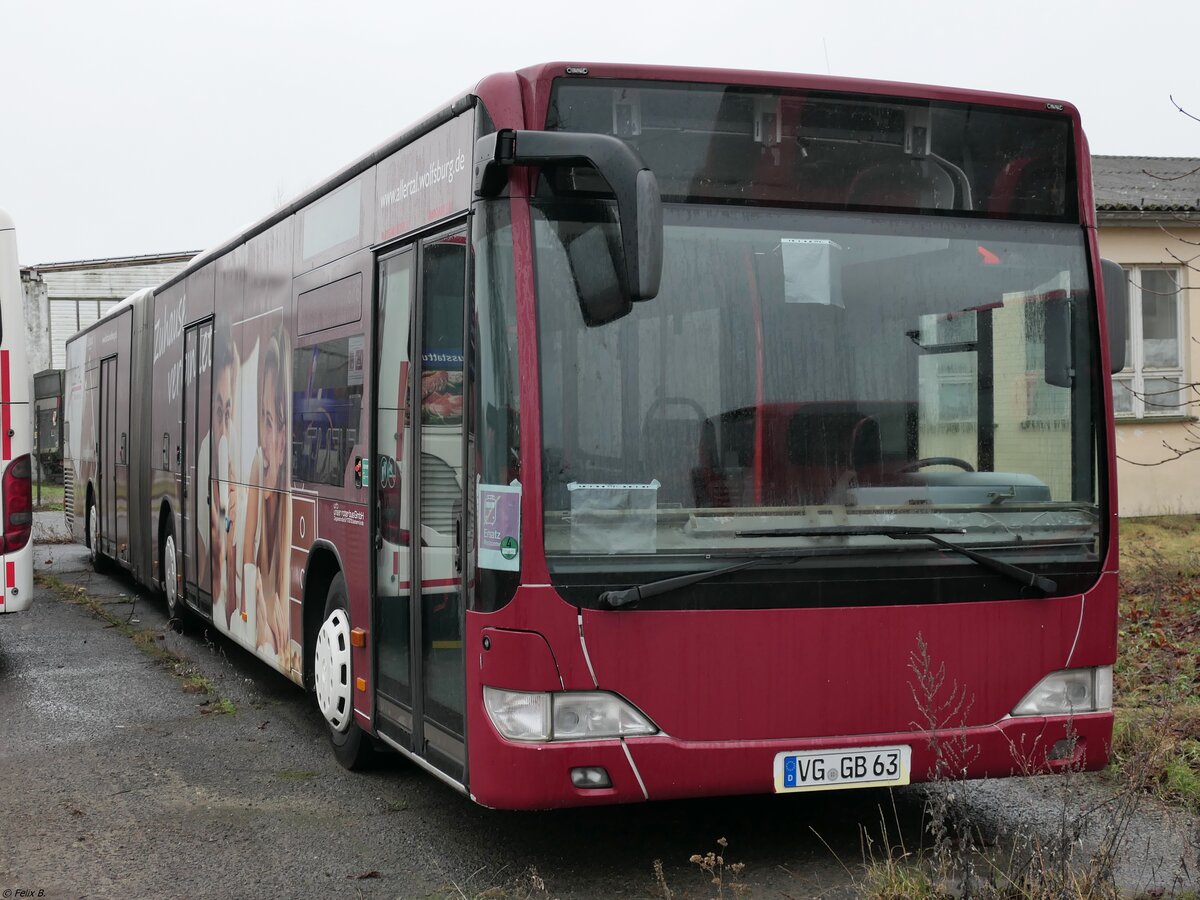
{"points": [[526, 886], [197, 684], [291, 774], [150, 641], [218, 706], [1157, 676], [52, 497], [894, 878]]}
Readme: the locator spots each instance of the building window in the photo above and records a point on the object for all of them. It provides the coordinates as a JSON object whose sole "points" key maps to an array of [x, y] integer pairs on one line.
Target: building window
{"points": [[1152, 382], [1044, 403], [69, 315], [948, 370]]}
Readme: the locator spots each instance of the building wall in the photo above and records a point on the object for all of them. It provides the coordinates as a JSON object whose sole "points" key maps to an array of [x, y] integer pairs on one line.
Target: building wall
{"points": [[37, 321], [1173, 486], [72, 298]]}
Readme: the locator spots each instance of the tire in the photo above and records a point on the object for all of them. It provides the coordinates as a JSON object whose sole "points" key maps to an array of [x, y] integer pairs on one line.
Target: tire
{"points": [[95, 557], [170, 577], [333, 681]]}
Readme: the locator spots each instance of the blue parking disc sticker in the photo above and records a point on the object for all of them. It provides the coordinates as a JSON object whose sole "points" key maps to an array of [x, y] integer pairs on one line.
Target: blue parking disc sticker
{"points": [[789, 771]]}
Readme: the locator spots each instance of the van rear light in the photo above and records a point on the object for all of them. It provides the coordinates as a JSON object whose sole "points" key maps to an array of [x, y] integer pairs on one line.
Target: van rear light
{"points": [[17, 487]]}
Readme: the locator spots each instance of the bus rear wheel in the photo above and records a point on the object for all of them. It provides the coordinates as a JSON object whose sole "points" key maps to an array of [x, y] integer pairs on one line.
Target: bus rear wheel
{"points": [[170, 576], [95, 557], [332, 681]]}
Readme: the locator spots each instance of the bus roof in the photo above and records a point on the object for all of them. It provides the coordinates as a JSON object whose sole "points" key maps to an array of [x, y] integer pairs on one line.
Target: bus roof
{"points": [[360, 165], [543, 72]]}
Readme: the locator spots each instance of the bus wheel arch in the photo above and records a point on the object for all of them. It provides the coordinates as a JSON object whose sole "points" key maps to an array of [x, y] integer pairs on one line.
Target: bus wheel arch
{"points": [[323, 566], [327, 658]]}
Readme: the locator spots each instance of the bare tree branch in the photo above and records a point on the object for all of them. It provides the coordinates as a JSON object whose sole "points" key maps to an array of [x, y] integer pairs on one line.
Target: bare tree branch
{"points": [[1161, 462], [1172, 177], [1187, 264], [1176, 237], [1182, 110]]}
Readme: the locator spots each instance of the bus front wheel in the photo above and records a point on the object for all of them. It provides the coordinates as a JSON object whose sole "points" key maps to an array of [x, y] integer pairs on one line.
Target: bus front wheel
{"points": [[332, 680]]}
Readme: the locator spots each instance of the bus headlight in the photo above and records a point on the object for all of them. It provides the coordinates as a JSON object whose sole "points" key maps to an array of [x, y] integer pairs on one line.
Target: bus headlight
{"points": [[583, 716], [566, 716], [1069, 691], [518, 715]]}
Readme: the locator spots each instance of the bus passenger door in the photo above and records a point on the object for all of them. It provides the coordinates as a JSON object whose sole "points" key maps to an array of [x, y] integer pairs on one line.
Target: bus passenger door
{"points": [[421, 668], [439, 510], [392, 486], [106, 473], [197, 486]]}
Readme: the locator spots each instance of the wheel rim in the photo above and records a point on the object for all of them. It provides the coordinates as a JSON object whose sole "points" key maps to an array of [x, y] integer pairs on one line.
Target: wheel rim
{"points": [[94, 531], [170, 580], [331, 670]]}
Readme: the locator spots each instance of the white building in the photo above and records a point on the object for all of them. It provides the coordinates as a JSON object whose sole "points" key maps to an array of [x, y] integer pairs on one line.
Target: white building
{"points": [[63, 297]]}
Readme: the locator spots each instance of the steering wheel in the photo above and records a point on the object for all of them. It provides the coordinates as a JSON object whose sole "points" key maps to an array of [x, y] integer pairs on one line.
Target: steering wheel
{"points": [[938, 461]]}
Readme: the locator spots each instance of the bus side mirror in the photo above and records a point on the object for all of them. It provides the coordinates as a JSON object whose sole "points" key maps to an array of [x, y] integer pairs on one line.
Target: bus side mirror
{"points": [[1116, 307], [639, 204]]}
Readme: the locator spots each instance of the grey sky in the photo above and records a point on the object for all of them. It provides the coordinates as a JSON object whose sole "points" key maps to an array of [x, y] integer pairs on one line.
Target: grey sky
{"points": [[130, 128]]}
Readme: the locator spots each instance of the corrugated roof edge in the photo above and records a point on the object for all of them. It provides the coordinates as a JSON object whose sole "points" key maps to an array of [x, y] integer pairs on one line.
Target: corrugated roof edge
{"points": [[360, 165], [1148, 207], [112, 262]]}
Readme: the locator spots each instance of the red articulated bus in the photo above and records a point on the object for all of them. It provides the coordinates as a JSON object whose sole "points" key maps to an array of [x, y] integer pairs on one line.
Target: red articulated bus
{"points": [[622, 433], [16, 433]]}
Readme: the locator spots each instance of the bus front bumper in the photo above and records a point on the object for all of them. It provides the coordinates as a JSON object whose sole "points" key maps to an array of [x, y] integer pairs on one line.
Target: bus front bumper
{"points": [[509, 775]]}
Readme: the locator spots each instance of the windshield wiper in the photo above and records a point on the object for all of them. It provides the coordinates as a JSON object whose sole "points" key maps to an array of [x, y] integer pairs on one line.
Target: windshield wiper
{"points": [[629, 596], [850, 531], [901, 532], [618, 599]]}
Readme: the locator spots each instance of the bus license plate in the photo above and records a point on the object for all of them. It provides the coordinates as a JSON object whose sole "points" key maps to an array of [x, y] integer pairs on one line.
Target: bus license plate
{"points": [[824, 770]]}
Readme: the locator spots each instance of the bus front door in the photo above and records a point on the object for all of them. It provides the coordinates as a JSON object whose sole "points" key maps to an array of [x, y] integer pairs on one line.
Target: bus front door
{"points": [[107, 457], [420, 500]]}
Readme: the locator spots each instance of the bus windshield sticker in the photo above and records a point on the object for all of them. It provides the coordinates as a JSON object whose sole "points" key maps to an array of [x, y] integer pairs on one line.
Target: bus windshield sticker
{"points": [[614, 518], [810, 271], [499, 526]]}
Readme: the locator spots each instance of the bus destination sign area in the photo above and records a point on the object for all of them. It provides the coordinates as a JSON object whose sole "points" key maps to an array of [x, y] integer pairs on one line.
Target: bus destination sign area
{"points": [[826, 770]]}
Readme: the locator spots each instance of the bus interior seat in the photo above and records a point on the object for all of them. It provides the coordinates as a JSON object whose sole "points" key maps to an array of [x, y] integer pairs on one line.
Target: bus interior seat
{"points": [[1014, 190], [728, 160], [826, 448], [726, 456], [911, 183], [866, 450]]}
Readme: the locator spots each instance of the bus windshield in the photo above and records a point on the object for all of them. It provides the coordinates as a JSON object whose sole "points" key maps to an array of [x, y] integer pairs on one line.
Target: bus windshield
{"points": [[802, 369]]}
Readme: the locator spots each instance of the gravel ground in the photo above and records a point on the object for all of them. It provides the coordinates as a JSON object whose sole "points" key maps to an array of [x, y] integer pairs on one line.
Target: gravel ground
{"points": [[115, 782]]}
